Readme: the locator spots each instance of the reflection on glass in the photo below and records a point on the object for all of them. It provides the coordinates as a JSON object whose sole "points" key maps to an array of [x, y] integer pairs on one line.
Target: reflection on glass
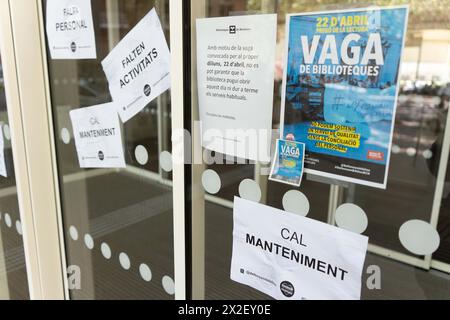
{"points": [[416, 156], [117, 223]]}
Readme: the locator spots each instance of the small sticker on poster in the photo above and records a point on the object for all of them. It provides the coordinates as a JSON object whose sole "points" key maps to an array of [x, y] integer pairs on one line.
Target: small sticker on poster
{"points": [[235, 72], [70, 29], [98, 137], [340, 90], [288, 163], [3, 171], [138, 68], [290, 257]]}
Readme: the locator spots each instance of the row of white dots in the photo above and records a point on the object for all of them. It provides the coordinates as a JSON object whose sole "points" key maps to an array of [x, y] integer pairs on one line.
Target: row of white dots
{"points": [[124, 260], [418, 237], [8, 222]]}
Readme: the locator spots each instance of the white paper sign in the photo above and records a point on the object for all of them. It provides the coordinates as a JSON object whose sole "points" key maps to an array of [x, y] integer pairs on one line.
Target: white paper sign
{"points": [[291, 257], [3, 171], [98, 137], [235, 70], [70, 29], [138, 68]]}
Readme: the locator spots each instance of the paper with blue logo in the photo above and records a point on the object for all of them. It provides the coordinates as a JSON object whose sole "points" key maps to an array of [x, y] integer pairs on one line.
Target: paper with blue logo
{"points": [[340, 90], [288, 164]]}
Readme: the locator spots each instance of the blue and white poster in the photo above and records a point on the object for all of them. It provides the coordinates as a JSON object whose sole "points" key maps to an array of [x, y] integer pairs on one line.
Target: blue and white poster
{"points": [[287, 166], [340, 90]]}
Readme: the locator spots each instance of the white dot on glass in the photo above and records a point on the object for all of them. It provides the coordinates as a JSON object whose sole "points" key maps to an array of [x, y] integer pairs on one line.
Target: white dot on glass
{"points": [[89, 242], [8, 220], [73, 233], [124, 261], [145, 272], [7, 132], [296, 202], [396, 149], [19, 227], [419, 237], [428, 154], [141, 155], [65, 135], [352, 218], [211, 181], [165, 161], [106, 251], [168, 285], [250, 190], [411, 152]]}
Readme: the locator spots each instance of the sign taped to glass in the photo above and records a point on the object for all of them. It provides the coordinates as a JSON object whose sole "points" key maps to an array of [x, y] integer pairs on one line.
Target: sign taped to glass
{"points": [[340, 90], [70, 29], [138, 68], [98, 137]]}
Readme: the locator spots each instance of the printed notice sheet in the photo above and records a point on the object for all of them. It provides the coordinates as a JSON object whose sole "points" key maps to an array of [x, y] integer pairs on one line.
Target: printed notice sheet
{"points": [[98, 137], [288, 163]]}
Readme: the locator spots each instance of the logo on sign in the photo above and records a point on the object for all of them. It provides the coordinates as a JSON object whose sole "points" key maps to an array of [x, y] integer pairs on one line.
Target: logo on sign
{"points": [[287, 289], [73, 47], [232, 29], [101, 156], [147, 90]]}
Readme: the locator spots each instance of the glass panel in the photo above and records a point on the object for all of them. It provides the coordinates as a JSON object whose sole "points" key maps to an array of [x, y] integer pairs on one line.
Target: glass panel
{"points": [[117, 222], [13, 273], [419, 127]]}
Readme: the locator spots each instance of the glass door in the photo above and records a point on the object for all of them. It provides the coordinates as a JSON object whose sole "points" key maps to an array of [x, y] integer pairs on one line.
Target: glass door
{"points": [[117, 222]]}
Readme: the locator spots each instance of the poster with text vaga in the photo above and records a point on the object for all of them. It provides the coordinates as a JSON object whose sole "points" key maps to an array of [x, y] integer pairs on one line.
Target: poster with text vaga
{"points": [[340, 90]]}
